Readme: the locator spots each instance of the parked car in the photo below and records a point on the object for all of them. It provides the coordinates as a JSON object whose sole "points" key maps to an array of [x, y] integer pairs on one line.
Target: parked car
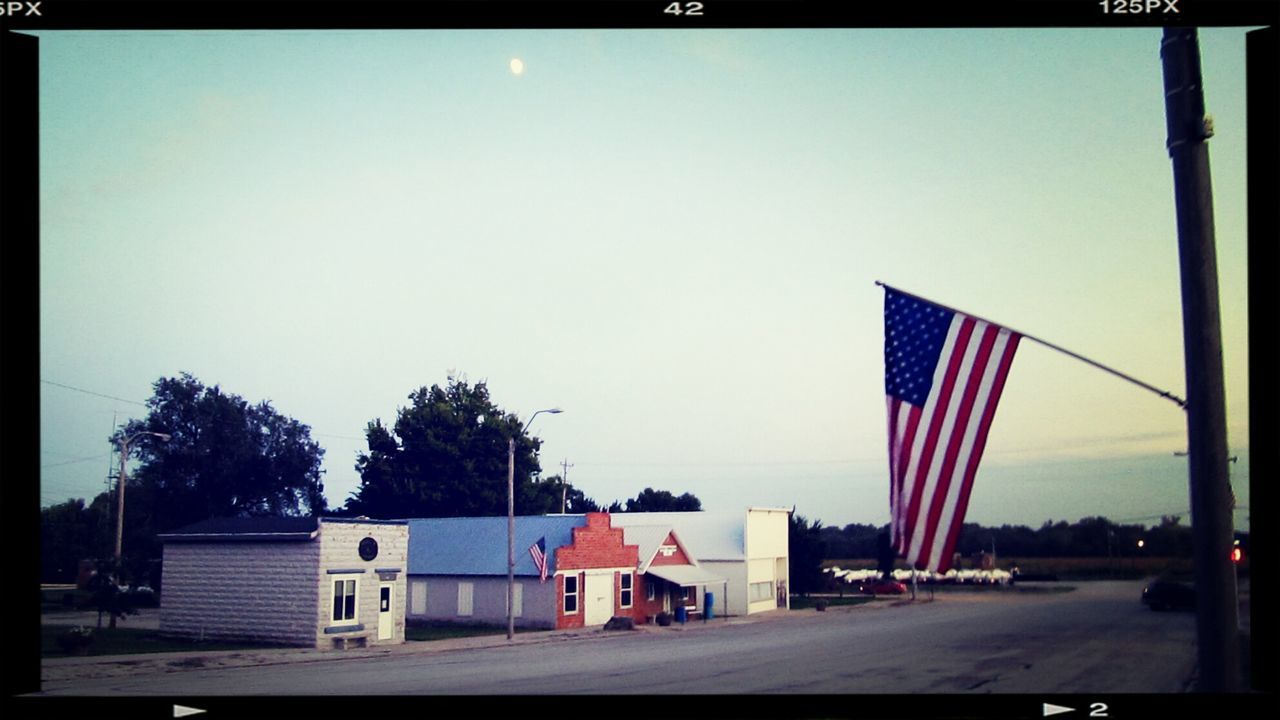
{"points": [[882, 587], [1169, 594]]}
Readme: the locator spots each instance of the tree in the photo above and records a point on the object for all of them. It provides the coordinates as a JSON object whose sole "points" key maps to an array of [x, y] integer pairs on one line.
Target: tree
{"points": [[107, 596], [225, 458], [71, 532], [805, 554], [650, 500], [446, 456]]}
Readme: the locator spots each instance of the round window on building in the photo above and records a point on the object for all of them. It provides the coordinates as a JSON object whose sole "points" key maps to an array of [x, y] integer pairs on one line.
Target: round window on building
{"points": [[368, 548]]}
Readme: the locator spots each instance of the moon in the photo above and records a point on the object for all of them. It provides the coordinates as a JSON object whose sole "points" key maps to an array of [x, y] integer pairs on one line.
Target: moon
{"points": [[517, 66]]}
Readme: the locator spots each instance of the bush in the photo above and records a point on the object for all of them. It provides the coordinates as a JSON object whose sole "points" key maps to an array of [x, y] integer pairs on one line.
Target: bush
{"points": [[143, 596], [664, 619], [76, 640]]}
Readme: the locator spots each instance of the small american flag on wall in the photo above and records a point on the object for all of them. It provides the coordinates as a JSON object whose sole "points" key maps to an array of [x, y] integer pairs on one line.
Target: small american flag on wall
{"points": [[539, 552], [944, 372]]}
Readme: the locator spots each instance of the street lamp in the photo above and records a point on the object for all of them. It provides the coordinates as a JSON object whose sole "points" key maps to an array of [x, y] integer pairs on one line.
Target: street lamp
{"points": [[124, 458], [511, 523]]}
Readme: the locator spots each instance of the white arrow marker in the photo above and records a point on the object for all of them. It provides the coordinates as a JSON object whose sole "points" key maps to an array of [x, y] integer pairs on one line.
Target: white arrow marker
{"points": [[183, 711], [1056, 709]]}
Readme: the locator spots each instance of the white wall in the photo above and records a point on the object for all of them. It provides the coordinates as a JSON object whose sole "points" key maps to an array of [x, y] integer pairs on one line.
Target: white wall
{"points": [[262, 592], [767, 550], [339, 550]]}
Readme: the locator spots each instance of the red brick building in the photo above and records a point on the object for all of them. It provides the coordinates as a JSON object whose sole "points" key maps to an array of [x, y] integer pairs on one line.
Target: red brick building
{"points": [[637, 572]]}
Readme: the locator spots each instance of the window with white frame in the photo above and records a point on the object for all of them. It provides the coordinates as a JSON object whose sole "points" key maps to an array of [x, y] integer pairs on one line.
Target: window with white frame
{"points": [[650, 590], [466, 592], [345, 592], [418, 591], [570, 594], [761, 591], [624, 584]]}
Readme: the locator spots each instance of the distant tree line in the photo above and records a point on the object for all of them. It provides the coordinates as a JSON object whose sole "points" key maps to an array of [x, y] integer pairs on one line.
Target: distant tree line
{"points": [[1089, 537]]}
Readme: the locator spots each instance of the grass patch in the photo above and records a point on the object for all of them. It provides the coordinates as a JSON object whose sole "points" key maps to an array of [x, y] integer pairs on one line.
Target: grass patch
{"points": [[423, 631], [131, 641], [806, 603]]}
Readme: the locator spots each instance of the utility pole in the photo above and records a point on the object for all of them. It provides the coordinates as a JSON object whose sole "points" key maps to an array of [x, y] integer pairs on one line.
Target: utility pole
{"points": [[124, 459], [1217, 630], [564, 483]]}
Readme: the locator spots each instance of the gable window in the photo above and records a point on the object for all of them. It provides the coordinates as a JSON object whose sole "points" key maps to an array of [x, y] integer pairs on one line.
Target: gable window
{"points": [[570, 594], [344, 602], [624, 582]]}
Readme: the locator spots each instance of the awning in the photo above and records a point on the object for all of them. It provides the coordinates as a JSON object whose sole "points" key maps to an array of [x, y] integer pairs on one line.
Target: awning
{"points": [[684, 575]]}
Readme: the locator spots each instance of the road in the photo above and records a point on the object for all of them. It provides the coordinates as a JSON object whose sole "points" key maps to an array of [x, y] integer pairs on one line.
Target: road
{"points": [[1096, 639]]}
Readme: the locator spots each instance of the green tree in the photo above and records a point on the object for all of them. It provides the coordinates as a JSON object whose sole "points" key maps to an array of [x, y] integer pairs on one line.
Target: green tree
{"points": [[225, 457], [446, 456], [805, 554], [71, 532], [650, 500]]}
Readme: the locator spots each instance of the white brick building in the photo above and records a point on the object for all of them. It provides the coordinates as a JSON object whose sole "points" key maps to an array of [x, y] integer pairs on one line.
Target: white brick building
{"points": [[321, 582]]}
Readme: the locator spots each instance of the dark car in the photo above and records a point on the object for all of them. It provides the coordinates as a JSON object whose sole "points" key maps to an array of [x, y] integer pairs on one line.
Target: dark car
{"points": [[1167, 594]]}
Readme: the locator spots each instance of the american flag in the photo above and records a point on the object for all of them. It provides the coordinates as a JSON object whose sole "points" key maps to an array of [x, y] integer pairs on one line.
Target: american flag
{"points": [[944, 372], [539, 552]]}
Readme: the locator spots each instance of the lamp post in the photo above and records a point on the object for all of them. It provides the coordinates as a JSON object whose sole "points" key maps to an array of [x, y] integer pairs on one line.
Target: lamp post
{"points": [[511, 523], [124, 458]]}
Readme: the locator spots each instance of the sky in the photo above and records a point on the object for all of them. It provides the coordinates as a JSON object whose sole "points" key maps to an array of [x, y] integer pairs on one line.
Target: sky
{"points": [[672, 235]]}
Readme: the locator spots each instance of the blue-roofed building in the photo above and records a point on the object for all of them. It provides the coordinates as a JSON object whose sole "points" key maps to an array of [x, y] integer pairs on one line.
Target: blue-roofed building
{"points": [[458, 568]]}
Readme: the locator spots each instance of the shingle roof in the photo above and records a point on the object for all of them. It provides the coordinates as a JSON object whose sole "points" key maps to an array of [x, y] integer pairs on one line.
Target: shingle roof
{"points": [[259, 529], [478, 546], [708, 535]]}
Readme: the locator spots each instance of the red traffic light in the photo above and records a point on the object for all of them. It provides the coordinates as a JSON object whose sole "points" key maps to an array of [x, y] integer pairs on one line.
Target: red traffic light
{"points": [[1236, 554]]}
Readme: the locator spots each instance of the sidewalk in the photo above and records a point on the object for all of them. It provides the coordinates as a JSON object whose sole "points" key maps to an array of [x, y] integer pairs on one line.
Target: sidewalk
{"points": [[104, 666]]}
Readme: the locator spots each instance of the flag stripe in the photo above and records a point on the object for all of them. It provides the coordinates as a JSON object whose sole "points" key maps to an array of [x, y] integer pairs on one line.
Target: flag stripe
{"points": [[977, 396], [927, 472], [977, 351], [1000, 371], [979, 392], [919, 451], [902, 426]]}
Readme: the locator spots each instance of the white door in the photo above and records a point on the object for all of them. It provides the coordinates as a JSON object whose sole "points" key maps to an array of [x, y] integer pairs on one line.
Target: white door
{"points": [[386, 611], [598, 598]]}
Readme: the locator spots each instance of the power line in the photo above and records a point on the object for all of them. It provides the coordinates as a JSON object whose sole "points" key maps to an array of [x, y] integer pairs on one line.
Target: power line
{"points": [[90, 392], [78, 460]]}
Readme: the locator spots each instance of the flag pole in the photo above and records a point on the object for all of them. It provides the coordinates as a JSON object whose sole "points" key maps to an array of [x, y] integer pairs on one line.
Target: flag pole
{"points": [[1162, 393]]}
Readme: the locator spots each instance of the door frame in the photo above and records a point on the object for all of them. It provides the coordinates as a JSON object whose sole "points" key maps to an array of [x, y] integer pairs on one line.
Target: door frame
{"points": [[387, 618]]}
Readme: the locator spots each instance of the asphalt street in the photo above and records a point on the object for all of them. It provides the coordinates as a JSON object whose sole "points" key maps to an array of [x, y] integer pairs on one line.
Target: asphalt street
{"points": [[1095, 639]]}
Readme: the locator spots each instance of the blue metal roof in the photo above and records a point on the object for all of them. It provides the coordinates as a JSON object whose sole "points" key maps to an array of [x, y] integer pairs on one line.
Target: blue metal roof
{"points": [[478, 546]]}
